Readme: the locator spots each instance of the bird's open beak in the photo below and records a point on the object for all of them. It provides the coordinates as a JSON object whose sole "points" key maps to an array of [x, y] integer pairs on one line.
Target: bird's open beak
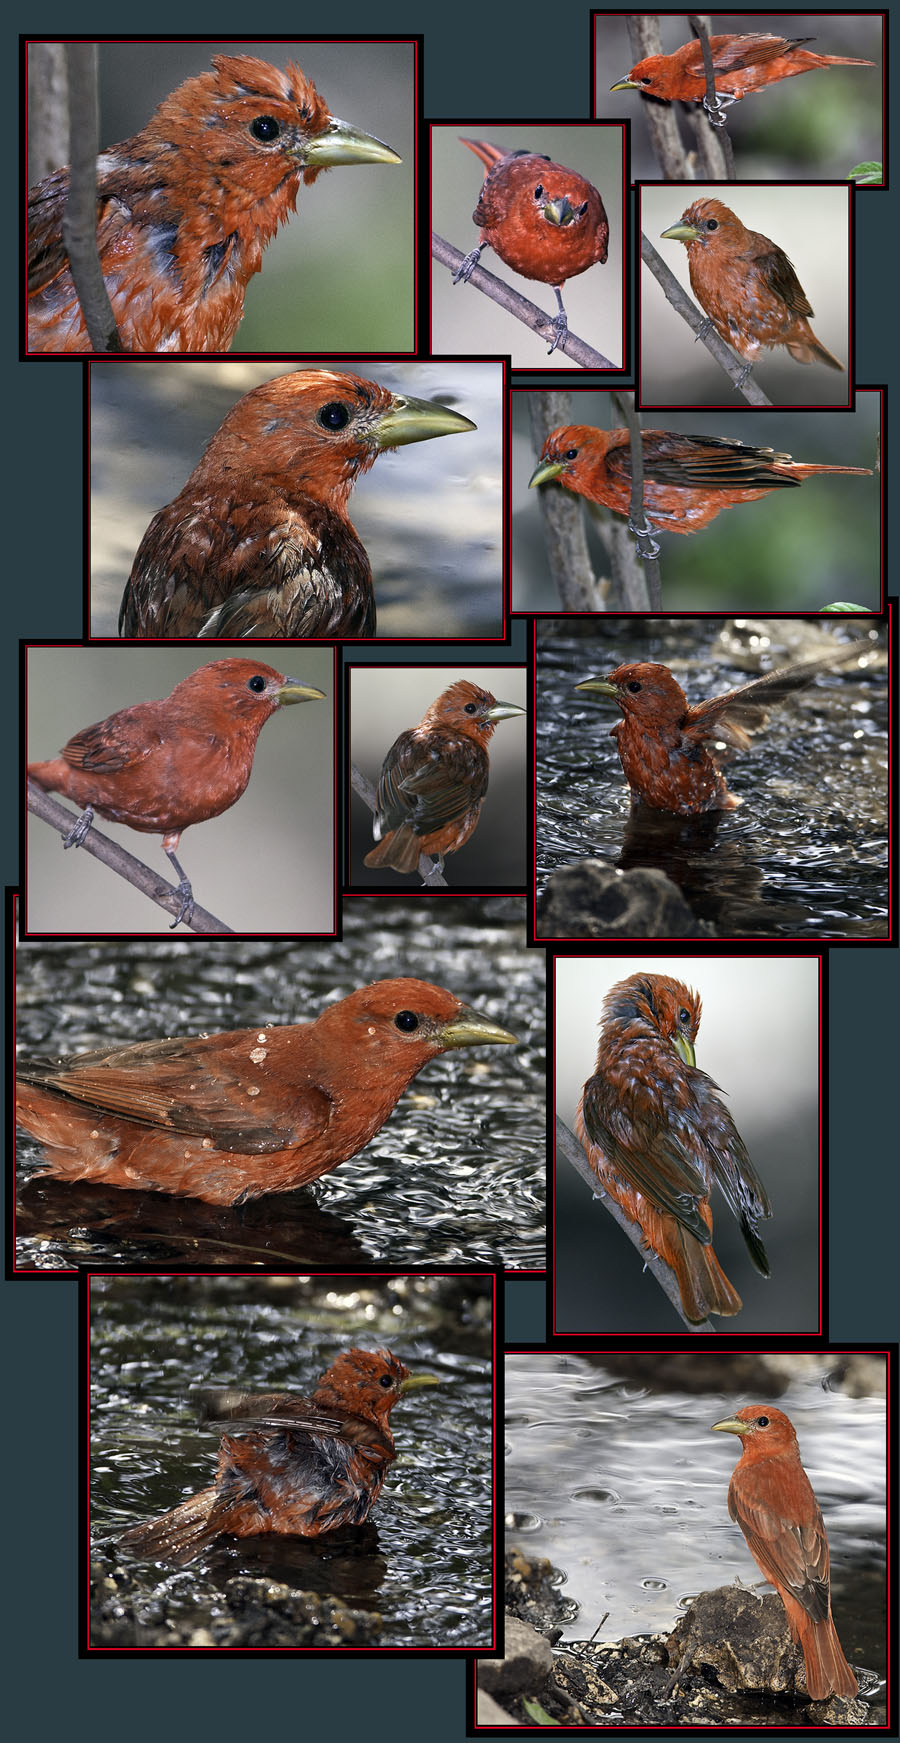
{"points": [[680, 233], [343, 143], [544, 471], [602, 686], [412, 1381], [416, 420], [470, 1029], [560, 211], [625, 85], [503, 711], [685, 1051], [731, 1425], [292, 690]]}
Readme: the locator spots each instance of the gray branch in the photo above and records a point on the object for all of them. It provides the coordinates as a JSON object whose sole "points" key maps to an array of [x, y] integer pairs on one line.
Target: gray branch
{"points": [[677, 296], [518, 306], [428, 871], [80, 220]]}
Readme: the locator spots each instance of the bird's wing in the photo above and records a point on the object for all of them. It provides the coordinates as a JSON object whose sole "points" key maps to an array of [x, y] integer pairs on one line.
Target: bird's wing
{"points": [[702, 463], [118, 743], [778, 273], [429, 785], [749, 51], [739, 713], [650, 1157], [198, 1087], [792, 1556], [733, 1171]]}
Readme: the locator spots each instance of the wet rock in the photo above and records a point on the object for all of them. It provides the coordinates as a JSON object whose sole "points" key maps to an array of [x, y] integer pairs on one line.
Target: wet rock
{"points": [[525, 1667], [592, 900]]}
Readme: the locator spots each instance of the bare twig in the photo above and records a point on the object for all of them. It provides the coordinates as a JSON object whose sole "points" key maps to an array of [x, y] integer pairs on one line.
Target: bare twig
{"points": [[428, 871], [518, 306], [119, 860], [80, 219], [567, 1145], [48, 109], [662, 121], [564, 526], [677, 296], [714, 106], [647, 547]]}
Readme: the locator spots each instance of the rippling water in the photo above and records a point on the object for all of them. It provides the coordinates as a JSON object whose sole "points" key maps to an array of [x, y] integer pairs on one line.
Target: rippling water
{"points": [[457, 1174], [423, 1560], [806, 852], [625, 1489]]}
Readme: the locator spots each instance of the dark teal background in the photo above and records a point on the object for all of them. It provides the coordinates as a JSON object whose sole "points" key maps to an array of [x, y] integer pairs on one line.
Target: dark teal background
{"points": [[509, 62]]}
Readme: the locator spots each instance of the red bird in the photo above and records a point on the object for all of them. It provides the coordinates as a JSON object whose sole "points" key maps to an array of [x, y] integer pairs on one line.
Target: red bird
{"points": [[742, 64], [746, 286], [659, 1137], [186, 207], [546, 222], [688, 480], [161, 766], [296, 1466], [259, 542], [226, 1118], [663, 740], [772, 1499], [435, 777]]}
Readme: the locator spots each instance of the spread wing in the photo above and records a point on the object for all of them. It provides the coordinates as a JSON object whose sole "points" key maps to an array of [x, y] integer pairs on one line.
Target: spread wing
{"points": [[739, 713]]}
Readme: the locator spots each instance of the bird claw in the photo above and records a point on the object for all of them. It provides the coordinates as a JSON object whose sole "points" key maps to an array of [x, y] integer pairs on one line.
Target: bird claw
{"points": [[186, 908], [647, 547], [464, 272], [559, 327], [745, 375], [704, 329], [716, 112], [79, 830], [435, 870]]}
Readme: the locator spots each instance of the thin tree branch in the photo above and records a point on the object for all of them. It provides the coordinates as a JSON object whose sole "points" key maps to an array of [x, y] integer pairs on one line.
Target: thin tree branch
{"points": [[522, 310], [646, 544], [120, 861], [80, 219], [428, 871], [48, 109], [677, 296], [715, 109], [662, 119], [564, 526], [567, 1145]]}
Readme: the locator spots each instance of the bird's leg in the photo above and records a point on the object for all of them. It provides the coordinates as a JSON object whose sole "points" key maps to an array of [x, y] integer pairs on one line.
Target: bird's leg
{"points": [[464, 272], [185, 892], [79, 830], [704, 329], [437, 867], [559, 326], [716, 110], [745, 375], [647, 546]]}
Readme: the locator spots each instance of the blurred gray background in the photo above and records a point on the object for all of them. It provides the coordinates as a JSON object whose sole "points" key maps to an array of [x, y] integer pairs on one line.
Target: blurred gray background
{"points": [[265, 865]]}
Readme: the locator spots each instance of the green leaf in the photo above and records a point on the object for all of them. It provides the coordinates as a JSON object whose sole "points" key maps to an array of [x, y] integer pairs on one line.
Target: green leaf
{"points": [[843, 606], [866, 172], [536, 1712]]}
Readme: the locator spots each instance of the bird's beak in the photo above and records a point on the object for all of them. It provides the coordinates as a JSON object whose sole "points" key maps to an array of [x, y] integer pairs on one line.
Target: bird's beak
{"points": [[602, 686], [685, 1051], [503, 711], [544, 471], [413, 1381], [417, 420], [343, 143], [731, 1425], [625, 85], [470, 1029], [292, 690], [560, 211], [680, 233]]}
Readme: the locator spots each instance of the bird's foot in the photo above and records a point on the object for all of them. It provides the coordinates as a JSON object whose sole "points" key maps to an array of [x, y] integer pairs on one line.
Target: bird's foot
{"points": [[717, 110], [435, 870], [647, 546], [79, 830], [745, 375], [186, 909], [464, 272], [559, 325], [704, 329]]}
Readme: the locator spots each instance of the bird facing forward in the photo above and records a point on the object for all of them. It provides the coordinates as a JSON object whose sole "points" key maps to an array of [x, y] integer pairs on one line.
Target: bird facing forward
{"points": [[186, 207], [658, 1136], [259, 543]]}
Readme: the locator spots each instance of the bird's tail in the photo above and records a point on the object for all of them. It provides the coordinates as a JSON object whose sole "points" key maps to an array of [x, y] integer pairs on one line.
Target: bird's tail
{"points": [[827, 1670], [811, 351], [801, 469], [489, 154], [835, 60], [400, 849], [705, 1289], [176, 1536]]}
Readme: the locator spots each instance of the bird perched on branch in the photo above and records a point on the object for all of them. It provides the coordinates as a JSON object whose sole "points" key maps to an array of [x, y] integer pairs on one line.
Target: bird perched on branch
{"points": [[742, 64], [259, 542], [299, 1467], [435, 777], [688, 480], [230, 1117], [772, 1499], [186, 207], [160, 766], [546, 222], [665, 742], [746, 286], [658, 1136]]}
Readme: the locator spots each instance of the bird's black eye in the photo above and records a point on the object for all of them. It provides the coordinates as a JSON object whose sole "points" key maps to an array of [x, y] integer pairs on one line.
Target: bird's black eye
{"points": [[407, 1021], [634, 686], [386, 1381], [762, 1422], [265, 128], [712, 223], [334, 416], [582, 209], [539, 191], [571, 454], [257, 682], [684, 1016], [471, 708]]}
